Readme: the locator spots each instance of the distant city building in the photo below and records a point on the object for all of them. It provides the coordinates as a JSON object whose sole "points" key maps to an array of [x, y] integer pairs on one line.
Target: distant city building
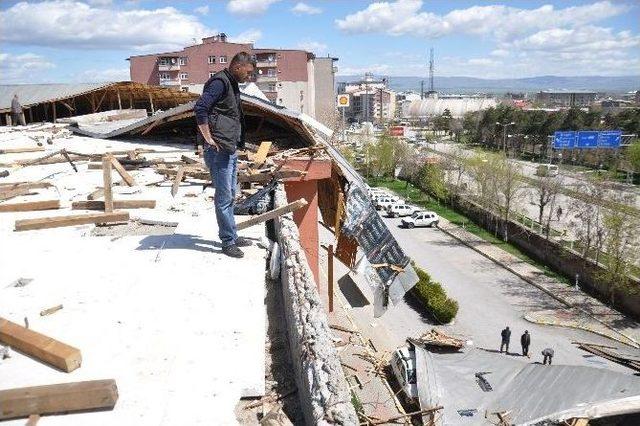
{"points": [[435, 106], [295, 79], [371, 100], [566, 98]]}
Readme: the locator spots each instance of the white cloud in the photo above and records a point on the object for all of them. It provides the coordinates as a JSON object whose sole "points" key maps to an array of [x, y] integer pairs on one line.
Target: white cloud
{"points": [[249, 7], [304, 9], [23, 68], [502, 22], [500, 53], [313, 46], [251, 35], [100, 75], [202, 10], [66, 23], [101, 2]]}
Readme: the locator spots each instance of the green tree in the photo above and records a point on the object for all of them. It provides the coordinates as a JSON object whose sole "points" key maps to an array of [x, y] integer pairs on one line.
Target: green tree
{"points": [[632, 155], [431, 178]]}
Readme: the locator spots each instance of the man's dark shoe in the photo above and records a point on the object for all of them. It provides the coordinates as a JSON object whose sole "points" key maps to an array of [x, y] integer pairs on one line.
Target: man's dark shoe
{"points": [[233, 251], [243, 242]]}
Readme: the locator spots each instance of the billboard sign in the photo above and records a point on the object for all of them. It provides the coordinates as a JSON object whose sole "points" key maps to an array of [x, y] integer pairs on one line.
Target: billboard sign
{"points": [[343, 101], [564, 140], [610, 139], [587, 139]]}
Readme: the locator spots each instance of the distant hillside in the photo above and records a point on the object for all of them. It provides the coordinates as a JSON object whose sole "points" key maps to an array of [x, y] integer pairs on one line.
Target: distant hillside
{"points": [[531, 84]]}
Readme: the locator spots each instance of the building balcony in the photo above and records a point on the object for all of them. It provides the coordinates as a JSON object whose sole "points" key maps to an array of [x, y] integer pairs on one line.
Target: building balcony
{"points": [[266, 78], [169, 82], [168, 67], [266, 64]]}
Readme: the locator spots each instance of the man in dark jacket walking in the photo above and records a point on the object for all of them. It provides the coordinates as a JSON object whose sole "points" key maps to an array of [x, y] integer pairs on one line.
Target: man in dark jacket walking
{"points": [[506, 337], [17, 115], [525, 341], [221, 123]]}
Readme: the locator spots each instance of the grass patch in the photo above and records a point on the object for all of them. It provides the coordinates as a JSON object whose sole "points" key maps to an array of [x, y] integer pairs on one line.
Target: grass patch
{"points": [[415, 196]]}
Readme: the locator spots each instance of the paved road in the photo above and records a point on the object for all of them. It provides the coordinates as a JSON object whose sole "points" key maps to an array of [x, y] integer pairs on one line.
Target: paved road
{"points": [[489, 296]]}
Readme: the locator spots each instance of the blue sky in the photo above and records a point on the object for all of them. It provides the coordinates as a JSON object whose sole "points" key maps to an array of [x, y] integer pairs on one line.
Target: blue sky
{"points": [[89, 40]]}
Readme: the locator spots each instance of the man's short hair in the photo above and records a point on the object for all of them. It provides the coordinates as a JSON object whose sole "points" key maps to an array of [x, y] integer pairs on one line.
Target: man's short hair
{"points": [[242, 58]]}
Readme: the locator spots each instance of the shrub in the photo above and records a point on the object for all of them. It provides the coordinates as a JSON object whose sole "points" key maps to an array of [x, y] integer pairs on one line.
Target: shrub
{"points": [[434, 298]]}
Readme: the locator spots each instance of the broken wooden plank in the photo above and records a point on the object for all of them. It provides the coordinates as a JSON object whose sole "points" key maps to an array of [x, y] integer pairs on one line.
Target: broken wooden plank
{"points": [[69, 160], [117, 204], [260, 156], [33, 420], [98, 193], [50, 311], [126, 177], [267, 176], [44, 348], [20, 150], [189, 160], [106, 177], [30, 206], [9, 186], [58, 399], [272, 214], [6, 195], [71, 220], [176, 182]]}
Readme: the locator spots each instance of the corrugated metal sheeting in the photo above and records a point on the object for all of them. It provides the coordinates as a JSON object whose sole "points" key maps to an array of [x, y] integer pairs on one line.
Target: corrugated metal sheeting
{"points": [[524, 393], [32, 94]]}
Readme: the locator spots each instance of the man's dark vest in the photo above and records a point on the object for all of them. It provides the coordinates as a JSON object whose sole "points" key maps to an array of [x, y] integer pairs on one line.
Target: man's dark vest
{"points": [[226, 119]]}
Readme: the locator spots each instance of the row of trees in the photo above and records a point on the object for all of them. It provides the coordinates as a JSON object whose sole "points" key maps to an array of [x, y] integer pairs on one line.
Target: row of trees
{"points": [[531, 129]]}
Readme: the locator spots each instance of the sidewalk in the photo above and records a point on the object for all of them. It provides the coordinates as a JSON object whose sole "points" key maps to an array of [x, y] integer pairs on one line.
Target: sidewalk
{"points": [[583, 311]]}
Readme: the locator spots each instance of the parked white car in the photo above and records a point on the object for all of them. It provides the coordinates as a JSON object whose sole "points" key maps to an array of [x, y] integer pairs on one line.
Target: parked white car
{"points": [[403, 367], [401, 210], [383, 202], [421, 218]]}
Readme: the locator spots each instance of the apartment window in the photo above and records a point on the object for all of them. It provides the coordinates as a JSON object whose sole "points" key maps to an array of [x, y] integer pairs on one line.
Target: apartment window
{"points": [[271, 72], [212, 59], [211, 74], [183, 61], [163, 61], [271, 87], [223, 59], [164, 76], [184, 76]]}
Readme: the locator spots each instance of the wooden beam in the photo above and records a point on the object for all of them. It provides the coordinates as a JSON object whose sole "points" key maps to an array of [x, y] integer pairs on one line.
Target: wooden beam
{"points": [[119, 99], [98, 193], [101, 99], [71, 220], [58, 399], [44, 348], [272, 214], [69, 107], [126, 177], [7, 195], [117, 204], [330, 276], [30, 206], [176, 182], [19, 150], [106, 177], [151, 102], [53, 106], [267, 176], [261, 155]]}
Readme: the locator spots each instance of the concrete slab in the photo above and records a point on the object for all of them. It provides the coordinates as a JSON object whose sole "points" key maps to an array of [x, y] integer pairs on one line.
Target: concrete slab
{"points": [[178, 325]]}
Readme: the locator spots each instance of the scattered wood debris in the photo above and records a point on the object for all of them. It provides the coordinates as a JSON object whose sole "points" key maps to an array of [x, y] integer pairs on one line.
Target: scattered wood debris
{"points": [[438, 338], [50, 311]]}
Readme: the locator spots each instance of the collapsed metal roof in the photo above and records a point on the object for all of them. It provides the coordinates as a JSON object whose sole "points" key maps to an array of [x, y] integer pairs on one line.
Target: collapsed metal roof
{"points": [[522, 392]]}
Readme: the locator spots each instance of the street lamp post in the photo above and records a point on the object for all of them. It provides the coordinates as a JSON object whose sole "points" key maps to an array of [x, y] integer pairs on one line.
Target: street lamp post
{"points": [[504, 134]]}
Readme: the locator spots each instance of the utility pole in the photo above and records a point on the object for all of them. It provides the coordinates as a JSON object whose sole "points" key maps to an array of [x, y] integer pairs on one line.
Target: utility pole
{"points": [[421, 89], [381, 116], [431, 71]]}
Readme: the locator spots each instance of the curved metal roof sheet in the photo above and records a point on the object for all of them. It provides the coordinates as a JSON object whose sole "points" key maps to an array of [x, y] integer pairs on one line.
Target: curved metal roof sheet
{"points": [[458, 107], [31, 94]]}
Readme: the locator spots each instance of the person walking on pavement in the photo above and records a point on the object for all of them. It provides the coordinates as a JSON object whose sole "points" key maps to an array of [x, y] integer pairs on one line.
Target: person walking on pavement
{"points": [[525, 341], [548, 355], [506, 337], [16, 111], [221, 123]]}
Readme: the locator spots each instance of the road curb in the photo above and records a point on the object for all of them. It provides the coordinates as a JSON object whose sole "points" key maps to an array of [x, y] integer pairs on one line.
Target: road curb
{"points": [[540, 287]]}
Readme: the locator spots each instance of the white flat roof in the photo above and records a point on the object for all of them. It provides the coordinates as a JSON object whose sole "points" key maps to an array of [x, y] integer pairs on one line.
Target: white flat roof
{"points": [[178, 325]]}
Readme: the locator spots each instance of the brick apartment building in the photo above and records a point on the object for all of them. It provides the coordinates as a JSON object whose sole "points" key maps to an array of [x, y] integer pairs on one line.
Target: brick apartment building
{"points": [[295, 79]]}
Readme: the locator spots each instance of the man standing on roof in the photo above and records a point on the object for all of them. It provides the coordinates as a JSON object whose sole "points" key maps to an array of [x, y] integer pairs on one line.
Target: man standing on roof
{"points": [[221, 123], [548, 356], [525, 341], [16, 111], [506, 337]]}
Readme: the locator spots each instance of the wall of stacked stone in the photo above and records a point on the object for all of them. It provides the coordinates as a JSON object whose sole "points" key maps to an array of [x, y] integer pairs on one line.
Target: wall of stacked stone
{"points": [[322, 387]]}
